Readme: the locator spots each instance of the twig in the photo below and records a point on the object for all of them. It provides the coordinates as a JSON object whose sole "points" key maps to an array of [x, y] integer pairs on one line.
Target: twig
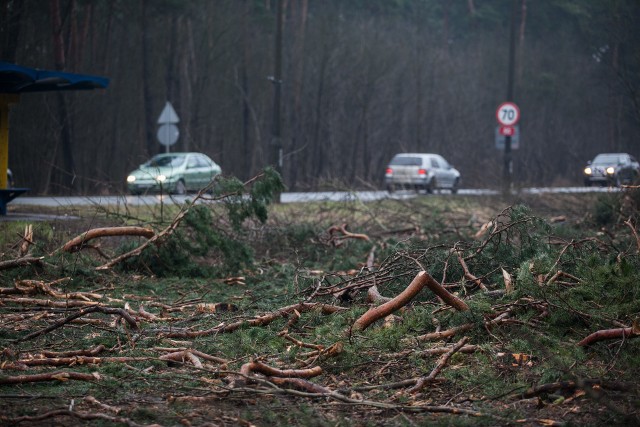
{"points": [[635, 234], [96, 308], [441, 364]]}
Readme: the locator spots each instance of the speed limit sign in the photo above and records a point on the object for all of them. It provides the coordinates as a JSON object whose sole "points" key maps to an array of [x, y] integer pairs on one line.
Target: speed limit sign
{"points": [[508, 114]]}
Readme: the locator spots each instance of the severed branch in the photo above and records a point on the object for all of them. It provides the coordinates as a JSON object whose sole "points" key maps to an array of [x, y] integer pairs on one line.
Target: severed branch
{"points": [[80, 415], [445, 334], [336, 240], [609, 334], [571, 385], [299, 384], [635, 233], [421, 280], [445, 295], [174, 224], [27, 240], [392, 305], [468, 275], [96, 308], [21, 262], [78, 242], [441, 364], [193, 356], [51, 376], [257, 321], [257, 366]]}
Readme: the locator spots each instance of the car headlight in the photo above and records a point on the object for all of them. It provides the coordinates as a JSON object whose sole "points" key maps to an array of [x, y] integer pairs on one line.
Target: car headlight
{"points": [[587, 171], [131, 179], [161, 178], [610, 170]]}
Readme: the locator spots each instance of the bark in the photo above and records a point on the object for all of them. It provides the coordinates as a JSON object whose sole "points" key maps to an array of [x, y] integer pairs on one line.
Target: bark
{"points": [[193, 356], [608, 334], [421, 280], [447, 297], [394, 304], [572, 385], [106, 310], [20, 262], [90, 352], [269, 371], [258, 321], [51, 376], [468, 275], [339, 233], [79, 415], [72, 361], [299, 384], [77, 242], [445, 334]]}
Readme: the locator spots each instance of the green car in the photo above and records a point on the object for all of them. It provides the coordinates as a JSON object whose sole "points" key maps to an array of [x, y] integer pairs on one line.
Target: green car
{"points": [[174, 173]]}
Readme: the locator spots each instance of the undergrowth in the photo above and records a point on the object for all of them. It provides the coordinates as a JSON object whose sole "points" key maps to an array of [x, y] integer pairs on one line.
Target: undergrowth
{"points": [[538, 288]]}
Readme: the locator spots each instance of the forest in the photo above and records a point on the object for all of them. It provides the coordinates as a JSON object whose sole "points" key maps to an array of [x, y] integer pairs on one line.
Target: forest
{"points": [[332, 89]]}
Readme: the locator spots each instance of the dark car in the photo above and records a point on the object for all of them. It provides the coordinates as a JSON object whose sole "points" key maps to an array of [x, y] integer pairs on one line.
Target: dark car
{"points": [[613, 169]]}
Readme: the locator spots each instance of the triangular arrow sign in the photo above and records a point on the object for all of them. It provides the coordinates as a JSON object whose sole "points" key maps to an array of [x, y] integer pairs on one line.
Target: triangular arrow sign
{"points": [[168, 115]]}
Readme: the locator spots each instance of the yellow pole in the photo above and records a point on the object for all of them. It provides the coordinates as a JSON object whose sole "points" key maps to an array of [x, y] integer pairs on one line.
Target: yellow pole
{"points": [[5, 101]]}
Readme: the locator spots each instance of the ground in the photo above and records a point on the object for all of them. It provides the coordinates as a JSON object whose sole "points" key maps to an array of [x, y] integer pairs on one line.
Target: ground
{"points": [[199, 331]]}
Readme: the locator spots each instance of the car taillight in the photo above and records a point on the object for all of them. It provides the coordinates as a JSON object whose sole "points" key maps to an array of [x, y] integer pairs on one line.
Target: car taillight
{"points": [[422, 172], [389, 172]]}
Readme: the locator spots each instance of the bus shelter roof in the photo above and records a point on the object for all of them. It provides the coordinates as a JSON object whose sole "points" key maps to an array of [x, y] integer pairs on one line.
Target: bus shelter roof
{"points": [[18, 79]]}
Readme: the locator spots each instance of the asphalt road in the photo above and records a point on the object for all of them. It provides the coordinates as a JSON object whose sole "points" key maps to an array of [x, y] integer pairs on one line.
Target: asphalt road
{"points": [[284, 198]]}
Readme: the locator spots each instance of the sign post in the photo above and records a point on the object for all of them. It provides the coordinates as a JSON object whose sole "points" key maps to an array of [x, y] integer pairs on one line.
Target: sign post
{"points": [[508, 115], [168, 132]]}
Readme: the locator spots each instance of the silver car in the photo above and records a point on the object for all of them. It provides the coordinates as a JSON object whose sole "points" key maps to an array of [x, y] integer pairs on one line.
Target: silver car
{"points": [[421, 171], [613, 169], [173, 173]]}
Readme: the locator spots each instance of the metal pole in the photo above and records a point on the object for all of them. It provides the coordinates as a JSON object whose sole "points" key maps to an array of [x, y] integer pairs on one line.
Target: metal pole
{"points": [[508, 162], [276, 134]]}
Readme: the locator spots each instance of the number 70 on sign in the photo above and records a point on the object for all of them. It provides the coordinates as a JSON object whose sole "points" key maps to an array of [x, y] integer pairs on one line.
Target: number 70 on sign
{"points": [[508, 114]]}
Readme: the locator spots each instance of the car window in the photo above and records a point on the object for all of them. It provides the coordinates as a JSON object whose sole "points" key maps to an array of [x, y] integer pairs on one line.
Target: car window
{"points": [[606, 159], [406, 161], [193, 163], [203, 162], [435, 164], [633, 159], [166, 161]]}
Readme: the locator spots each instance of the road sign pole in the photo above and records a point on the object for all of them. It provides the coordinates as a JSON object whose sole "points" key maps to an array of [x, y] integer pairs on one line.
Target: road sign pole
{"points": [[508, 165]]}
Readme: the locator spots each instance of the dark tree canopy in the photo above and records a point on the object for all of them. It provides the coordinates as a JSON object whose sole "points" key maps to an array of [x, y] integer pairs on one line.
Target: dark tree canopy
{"points": [[361, 80]]}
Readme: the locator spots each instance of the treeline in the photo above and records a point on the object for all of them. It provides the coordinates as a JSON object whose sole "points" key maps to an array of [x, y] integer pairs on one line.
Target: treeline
{"points": [[358, 81]]}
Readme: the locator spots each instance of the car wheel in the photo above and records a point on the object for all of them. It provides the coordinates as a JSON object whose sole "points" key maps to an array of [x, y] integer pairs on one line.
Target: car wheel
{"points": [[180, 189], [431, 186], [391, 188], [454, 189]]}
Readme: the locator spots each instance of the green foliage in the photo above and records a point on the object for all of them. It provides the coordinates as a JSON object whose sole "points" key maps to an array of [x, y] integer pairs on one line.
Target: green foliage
{"points": [[201, 234], [605, 211], [241, 206]]}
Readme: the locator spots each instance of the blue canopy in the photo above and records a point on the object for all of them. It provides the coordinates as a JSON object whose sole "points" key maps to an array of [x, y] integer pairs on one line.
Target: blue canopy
{"points": [[18, 79]]}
